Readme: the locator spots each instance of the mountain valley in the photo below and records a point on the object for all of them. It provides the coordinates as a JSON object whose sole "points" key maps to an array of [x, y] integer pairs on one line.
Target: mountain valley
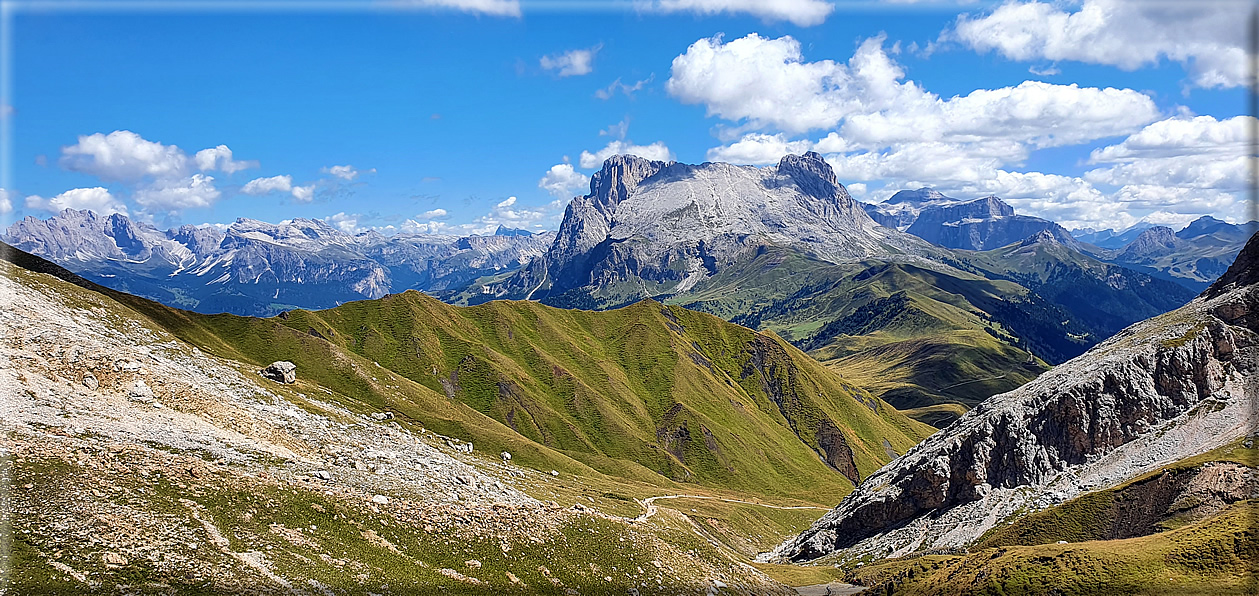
{"points": [[698, 366]]}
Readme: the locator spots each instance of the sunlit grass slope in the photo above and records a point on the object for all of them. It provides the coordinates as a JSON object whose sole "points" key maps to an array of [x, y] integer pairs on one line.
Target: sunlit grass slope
{"points": [[648, 392]]}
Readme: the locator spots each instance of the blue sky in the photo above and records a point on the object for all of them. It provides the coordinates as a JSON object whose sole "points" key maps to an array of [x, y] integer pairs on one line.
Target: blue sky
{"points": [[457, 115]]}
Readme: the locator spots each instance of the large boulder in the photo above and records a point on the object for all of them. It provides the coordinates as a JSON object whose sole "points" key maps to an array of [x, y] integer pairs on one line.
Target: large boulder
{"points": [[280, 371]]}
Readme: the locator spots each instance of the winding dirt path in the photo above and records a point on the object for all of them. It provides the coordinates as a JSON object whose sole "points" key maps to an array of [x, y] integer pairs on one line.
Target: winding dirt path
{"points": [[649, 504]]}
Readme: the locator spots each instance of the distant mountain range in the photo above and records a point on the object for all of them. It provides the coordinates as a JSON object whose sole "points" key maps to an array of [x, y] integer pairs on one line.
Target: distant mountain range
{"points": [[980, 224], [1194, 257], [257, 268], [1110, 238]]}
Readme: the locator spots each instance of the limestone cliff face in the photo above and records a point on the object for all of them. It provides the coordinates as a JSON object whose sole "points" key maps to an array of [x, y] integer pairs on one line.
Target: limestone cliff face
{"points": [[588, 219], [1161, 390]]}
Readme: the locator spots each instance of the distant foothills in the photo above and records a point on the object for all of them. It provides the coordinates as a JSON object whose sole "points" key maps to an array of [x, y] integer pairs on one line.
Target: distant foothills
{"points": [[932, 302]]}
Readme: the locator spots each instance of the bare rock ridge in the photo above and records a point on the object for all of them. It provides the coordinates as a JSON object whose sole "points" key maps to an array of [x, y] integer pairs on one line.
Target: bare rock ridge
{"points": [[815, 177], [1159, 391], [1242, 273]]}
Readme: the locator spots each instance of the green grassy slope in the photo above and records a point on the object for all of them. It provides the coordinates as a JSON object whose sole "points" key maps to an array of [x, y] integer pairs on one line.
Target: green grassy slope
{"points": [[1100, 299], [649, 393], [680, 393], [910, 335], [921, 337]]}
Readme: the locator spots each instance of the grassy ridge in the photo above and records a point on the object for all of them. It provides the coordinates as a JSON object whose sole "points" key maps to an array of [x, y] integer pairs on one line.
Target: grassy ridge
{"points": [[913, 336], [684, 394], [645, 393]]}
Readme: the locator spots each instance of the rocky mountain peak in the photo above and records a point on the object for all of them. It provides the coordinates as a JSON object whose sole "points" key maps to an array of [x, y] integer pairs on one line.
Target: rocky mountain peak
{"points": [[1155, 240], [1041, 237], [814, 176], [1243, 272], [200, 240], [922, 195], [1200, 226], [668, 226], [619, 177], [506, 231]]}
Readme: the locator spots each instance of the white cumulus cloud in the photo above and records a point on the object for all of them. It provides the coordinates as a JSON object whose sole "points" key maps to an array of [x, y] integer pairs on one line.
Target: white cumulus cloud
{"points": [[432, 214], [766, 83], [220, 158], [571, 63], [123, 156], [262, 186], [97, 199], [1183, 165], [657, 151], [303, 194], [174, 195], [346, 222], [1208, 38], [758, 149], [563, 182], [159, 177], [346, 172]]}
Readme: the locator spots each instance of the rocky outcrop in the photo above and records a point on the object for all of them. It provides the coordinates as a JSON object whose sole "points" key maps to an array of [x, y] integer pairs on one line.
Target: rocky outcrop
{"points": [[1242, 273], [280, 371], [1161, 390]]}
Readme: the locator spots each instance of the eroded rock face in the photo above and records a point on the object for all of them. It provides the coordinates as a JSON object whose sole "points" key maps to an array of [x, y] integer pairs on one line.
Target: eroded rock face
{"points": [[280, 371], [1161, 390]]}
